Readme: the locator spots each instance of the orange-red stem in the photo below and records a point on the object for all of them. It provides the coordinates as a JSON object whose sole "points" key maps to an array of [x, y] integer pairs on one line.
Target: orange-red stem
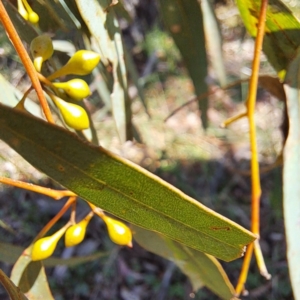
{"points": [[55, 194]]}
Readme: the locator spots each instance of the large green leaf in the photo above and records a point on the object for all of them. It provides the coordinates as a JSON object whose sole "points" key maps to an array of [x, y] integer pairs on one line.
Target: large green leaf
{"points": [[185, 23], [202, 269], [121, 187], [12, 290], [291, 175], [30, 277], [282, 36]]}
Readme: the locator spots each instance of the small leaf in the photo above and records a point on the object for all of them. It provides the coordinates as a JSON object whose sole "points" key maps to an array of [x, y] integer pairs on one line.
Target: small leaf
{"points": [[120, 187], [291, 175], [201, 269], [30, 277]]}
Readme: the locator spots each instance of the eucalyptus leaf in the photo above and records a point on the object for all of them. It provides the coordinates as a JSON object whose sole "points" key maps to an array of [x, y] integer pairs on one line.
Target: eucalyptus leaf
{"points": [[184, 21], [201, 269], [214, 40], [120, 187], [102, 22]]}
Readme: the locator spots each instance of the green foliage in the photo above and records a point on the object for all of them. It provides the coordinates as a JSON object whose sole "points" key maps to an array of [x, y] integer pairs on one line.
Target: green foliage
{"points": [[165, 220], [133, 195]]}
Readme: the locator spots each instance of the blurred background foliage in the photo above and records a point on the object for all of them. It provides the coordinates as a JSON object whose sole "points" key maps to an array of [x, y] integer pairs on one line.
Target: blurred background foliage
{"points": [[211, 164]]}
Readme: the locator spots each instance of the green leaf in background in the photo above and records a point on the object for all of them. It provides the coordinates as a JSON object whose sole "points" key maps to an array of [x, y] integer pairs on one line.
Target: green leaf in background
{"points": [[213, 39], [185, 23], [291, 175], [121, 187], [282, 36], [10, 253], [101, 20], [201, 269], [30, 277], [132, 70], [13, 291]]}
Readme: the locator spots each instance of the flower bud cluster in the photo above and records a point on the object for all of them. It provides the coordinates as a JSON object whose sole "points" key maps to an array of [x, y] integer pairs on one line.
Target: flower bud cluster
{"points": [[81, 63], [118, 232]]}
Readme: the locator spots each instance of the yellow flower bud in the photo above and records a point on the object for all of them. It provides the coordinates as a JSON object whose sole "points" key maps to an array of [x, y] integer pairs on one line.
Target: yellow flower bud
{"points": [[44, 247], [81, 63], [22, 11], [118, 232], [76, 233], [76, 88], [33, 17], [74, 115], [41, 49]]}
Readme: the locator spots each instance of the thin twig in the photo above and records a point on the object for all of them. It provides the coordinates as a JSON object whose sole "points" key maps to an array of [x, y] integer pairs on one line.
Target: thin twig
{"points": [[55, 194], [255, 176], [203, 96], [48, 226]]}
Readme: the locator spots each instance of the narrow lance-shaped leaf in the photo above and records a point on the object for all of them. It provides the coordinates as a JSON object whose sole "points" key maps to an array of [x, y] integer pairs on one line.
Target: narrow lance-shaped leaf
{"points": [[201, 269], [291, 175], [121, 187], [213, 39], [102, 23], [185, 22]]}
